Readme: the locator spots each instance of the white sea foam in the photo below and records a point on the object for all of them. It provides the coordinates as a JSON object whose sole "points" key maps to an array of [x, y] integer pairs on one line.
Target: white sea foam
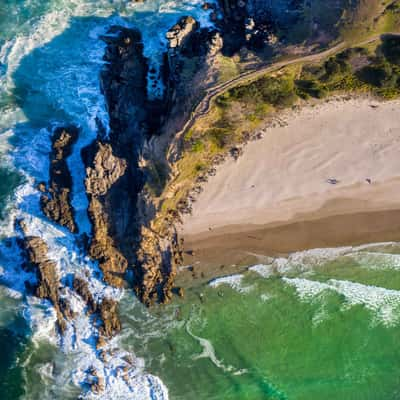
{"points": [[376, 260], [385, 303], [65, 80], [208, 351], [367, 255], [234, 281], [264, 270]]}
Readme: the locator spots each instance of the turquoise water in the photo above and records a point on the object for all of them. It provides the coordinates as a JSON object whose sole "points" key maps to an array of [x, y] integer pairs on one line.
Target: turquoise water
{"points": [[50, 60], [319, 325], [311, 328]]}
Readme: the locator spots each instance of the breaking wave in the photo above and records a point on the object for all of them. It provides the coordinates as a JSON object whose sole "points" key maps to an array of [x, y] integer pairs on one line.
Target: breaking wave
{"points": [[49, 76]]}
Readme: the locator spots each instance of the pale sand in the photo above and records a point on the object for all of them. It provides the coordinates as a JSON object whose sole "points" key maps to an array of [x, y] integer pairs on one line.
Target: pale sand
{"points": [[276, 198]]}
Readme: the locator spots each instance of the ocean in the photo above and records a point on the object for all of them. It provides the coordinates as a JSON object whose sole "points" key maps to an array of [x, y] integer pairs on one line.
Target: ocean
{"points": [[318, 325]]}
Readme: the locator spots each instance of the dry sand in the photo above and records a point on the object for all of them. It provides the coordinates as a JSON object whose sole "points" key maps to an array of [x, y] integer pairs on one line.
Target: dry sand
{"points": [[276, 198]]}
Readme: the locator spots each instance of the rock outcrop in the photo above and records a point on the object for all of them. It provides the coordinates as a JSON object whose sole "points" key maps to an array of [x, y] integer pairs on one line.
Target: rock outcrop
{"points": [[104, 175], [81, 287], [158, 257], [189, 47], [111, 324], [56, 199], [180, 32], [47, 287], [113, 177], [123, 237], [186, 65]]}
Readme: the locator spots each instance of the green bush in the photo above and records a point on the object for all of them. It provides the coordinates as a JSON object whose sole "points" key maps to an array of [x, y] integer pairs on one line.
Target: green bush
{"points": [[391, 49], [335, 67], [279, 92], [276, 91], [382, 76], [306, 88], [219, 136], [197, 146]]}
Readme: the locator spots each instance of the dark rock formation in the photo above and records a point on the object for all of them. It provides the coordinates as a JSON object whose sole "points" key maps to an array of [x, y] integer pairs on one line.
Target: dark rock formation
{"points": [[81, 287], [179, 33], [188, 50], [109, 315], [106, 185], [251, 23], [56, 199], [47, 287], [158, 257], [123, 237], [113, 177]]}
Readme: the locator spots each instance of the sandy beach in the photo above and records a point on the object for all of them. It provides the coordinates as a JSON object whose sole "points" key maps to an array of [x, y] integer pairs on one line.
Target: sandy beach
{"points": [[330, 177]]}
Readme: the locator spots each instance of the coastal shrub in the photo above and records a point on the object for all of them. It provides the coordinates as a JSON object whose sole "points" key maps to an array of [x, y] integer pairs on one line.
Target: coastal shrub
{"points": [[199, 167], [197, 146], [222, 101], [246, 93], [349, 54], [313, 71], [220, 137], [310, 88], [279, 92], [189, 134], [391, 49], [157, 175], [335, 67], [383, 75]]}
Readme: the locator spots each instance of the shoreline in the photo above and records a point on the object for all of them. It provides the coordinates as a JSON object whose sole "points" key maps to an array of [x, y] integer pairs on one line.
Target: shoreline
{"points": [[276, 199]]}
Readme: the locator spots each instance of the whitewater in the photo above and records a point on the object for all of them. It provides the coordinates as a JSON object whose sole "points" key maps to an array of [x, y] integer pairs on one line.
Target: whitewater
{"points": [[50, 61], [273, 331]]}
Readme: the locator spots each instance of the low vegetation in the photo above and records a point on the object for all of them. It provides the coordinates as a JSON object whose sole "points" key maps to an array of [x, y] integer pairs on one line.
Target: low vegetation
{"points": [[374, 70]]}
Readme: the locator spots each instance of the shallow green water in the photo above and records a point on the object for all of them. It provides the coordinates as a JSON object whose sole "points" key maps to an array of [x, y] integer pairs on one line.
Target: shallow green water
{"points": [[281, 337]]}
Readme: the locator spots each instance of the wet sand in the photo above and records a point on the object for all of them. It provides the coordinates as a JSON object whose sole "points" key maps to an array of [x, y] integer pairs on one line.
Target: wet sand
{"points": [[281, 195]]}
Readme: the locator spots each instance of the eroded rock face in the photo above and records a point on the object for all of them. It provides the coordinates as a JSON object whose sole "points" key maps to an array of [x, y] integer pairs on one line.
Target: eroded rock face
{"points": [[104, 174], [180, 32], [113, 178], [56, 199], [158, 257], [81, 287], [47, 287], [123, 236], [109, 315]]}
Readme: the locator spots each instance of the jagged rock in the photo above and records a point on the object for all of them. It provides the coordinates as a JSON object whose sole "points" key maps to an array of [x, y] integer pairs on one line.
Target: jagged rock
{"points": [[81, 287], [109, 316], [56, 199], [179, 33], [96, 381], [158, 257], [105, 170], [113, 177], [101, 342], [35, 250]]}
